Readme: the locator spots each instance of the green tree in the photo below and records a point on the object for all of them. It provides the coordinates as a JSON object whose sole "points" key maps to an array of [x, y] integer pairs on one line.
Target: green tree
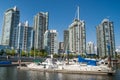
{"points": [[42, 53], [55, 55], [8, 52], [45, 55], [83, 55], [2, 52], [75, 55], [32, 53], [12, 52], [70, 56], [37, 52], [23, 53]]}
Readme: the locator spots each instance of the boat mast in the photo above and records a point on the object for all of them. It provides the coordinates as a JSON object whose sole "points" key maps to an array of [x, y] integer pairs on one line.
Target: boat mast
{"points": [[78, 12], [79, 30], [109, 55]]}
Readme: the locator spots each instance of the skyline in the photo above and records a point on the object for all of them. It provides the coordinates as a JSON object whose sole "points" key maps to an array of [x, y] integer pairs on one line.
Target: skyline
{"points": [[61, 16]]}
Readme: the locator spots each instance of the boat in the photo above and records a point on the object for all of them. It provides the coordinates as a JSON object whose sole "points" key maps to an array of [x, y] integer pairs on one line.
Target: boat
{"points": [[88, 66], [47, 64], [5, 63], [82, 66]]}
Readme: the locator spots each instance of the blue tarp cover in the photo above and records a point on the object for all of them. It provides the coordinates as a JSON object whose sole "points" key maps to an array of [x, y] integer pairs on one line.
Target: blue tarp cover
{"points": [[89, 62], [5, 62]]}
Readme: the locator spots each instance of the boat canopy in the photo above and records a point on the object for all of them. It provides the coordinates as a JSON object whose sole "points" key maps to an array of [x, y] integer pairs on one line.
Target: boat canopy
{"points": [[88, 61]]}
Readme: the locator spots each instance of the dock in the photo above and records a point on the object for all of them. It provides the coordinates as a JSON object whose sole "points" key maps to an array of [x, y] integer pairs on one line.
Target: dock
{"points": [[14, 64]]}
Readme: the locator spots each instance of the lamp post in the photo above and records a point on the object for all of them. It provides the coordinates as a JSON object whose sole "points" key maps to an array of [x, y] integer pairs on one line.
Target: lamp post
{"points": [[19, 51], [68, 55], [34, 52], [19, 60], [109, 56], [6, 52]]}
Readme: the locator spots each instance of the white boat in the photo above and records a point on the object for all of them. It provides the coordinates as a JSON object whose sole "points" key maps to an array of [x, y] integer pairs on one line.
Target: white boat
{"points": [[74, 67], [82, 68], [47, 64]]}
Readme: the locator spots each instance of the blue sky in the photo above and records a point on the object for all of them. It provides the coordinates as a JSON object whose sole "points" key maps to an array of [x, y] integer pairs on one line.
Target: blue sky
{"points": [[62, 13]]}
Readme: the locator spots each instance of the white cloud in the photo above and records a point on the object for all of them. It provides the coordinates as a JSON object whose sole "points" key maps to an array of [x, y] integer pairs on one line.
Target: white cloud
{"points": [[117, 47]]}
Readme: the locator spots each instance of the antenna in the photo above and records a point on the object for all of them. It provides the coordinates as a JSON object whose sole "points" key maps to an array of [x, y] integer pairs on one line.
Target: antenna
{"points": [[77, 16]]}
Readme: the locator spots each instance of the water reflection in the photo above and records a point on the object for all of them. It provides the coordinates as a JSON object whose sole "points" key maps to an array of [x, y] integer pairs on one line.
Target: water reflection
{"points": [[8, 73], [12, 73], [37, 75]]}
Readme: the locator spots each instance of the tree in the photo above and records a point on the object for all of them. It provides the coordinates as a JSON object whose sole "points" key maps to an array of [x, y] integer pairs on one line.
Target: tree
{"points": [[12, 52], [83, 55], [55, 55], [8, 52], [45, 55], [42, 53], [70, 56], [2, 52], [23, 53], [32, 53]]}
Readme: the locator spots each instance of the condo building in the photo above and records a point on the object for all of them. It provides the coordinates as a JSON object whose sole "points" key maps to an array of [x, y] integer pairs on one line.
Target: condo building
{"points": [[77, 37], [51, 41], [90, 48], [105, 38], [61, 47], [11, 20], [66, 40], [40, 26], [24, 37]]}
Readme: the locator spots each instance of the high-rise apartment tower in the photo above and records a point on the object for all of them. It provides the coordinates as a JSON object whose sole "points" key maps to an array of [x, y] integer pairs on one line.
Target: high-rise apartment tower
{"points": [[40, 26], [105, 38], [51, 41], [77, 36], [11, 20]]}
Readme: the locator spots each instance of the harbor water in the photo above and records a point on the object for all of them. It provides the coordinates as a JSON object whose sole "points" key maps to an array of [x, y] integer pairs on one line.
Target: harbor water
{"points": [[12, 73]]}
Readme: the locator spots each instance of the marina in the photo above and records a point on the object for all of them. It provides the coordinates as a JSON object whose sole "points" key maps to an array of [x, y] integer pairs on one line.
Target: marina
{"points": [[82, 66], [59, 40]]}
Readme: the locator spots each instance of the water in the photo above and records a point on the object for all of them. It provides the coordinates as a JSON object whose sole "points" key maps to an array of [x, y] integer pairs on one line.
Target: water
{"points": [[12, 73]]}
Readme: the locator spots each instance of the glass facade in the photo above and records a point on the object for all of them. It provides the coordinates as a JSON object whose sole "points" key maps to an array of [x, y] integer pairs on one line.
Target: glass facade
{"points": [[24, 37], [90, 48], [66, 40], [40, 26], [51, 41], [77, 37], [11, 20], [105, 37]]}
